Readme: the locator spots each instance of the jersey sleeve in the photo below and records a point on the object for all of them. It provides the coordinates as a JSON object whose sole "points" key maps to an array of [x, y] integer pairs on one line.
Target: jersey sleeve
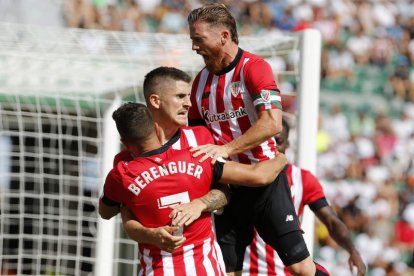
{"points": [[111, 194], [313, 191], [261, 84], [318, 204], [218, 172], [210, 174]]}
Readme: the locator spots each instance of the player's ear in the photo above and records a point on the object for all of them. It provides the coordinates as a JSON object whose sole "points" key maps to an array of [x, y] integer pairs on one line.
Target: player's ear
{"points": [[154, 100], [225, 36]]}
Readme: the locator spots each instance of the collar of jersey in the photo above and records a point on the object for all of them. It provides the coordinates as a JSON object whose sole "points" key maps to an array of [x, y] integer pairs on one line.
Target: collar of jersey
{"points": [[164, 147], [233, 64]]}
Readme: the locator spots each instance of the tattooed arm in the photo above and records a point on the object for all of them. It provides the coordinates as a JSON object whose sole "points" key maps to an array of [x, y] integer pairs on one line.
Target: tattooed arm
{"points": [[215, 199]]}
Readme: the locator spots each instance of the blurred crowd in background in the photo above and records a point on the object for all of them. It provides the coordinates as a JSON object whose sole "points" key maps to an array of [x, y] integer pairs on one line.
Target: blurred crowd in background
{"points": [[365, 149]]}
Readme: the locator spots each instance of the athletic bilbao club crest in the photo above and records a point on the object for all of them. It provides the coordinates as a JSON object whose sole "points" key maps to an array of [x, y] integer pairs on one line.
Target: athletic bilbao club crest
{"points": [[235, 88], [265, 95]]}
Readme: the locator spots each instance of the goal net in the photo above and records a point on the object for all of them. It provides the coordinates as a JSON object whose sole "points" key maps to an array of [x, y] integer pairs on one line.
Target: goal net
{"points": [[58, 89]]}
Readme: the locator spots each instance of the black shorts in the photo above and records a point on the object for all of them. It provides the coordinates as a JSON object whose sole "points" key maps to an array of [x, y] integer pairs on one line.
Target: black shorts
{"points": [[268, 209]]}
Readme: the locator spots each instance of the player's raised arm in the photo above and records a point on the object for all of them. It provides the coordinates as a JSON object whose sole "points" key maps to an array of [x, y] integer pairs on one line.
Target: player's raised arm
{"points": [[267, 126], [255, 175]]}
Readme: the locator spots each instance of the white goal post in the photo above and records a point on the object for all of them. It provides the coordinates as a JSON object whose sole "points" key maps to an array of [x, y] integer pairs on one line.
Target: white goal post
{"points": [[307, 115], [58, 88]]}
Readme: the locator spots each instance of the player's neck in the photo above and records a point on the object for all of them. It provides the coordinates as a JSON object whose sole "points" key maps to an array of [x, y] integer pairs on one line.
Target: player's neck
{"points": [[149, 145], [227, 57], [230, 54], [166, 133]]}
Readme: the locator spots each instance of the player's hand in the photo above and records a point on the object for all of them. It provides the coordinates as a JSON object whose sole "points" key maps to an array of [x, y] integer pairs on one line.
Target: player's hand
{"points": [[186, 213], [355, 260], [210, 151], [164, 239]]}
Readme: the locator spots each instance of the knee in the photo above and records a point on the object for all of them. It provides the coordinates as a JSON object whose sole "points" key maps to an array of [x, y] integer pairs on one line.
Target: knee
{"points": [[305, 267]]}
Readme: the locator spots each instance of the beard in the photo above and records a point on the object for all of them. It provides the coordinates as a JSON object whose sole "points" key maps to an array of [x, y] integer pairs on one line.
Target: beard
{"points": [[213, 66], [213, 61]]}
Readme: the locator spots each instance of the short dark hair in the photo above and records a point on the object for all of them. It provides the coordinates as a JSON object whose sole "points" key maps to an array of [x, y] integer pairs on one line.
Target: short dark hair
{"points": [[286, 127], [215, 14], [154, 77], [134, 122]]}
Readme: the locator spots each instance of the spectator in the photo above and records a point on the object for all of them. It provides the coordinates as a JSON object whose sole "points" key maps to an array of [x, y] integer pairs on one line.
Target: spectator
{"points": [[337, 124], [399, 81], [131, 17], [385, 139], [286, 22], [340, 63], [382, 48], [359, 44]]}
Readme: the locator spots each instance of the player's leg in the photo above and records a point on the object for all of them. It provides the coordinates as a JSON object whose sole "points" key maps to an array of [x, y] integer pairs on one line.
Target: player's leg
{"points": [[307, 267], [290, 246], [232, 255], [233, 235], [236, 273], [293, 252], [278, 225]]}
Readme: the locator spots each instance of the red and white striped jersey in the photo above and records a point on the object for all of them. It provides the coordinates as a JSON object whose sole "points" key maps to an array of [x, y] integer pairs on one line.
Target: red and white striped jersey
{"points": [[184, 138], [201, 259], [148, 185], [260, 258], [230, 101]]}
